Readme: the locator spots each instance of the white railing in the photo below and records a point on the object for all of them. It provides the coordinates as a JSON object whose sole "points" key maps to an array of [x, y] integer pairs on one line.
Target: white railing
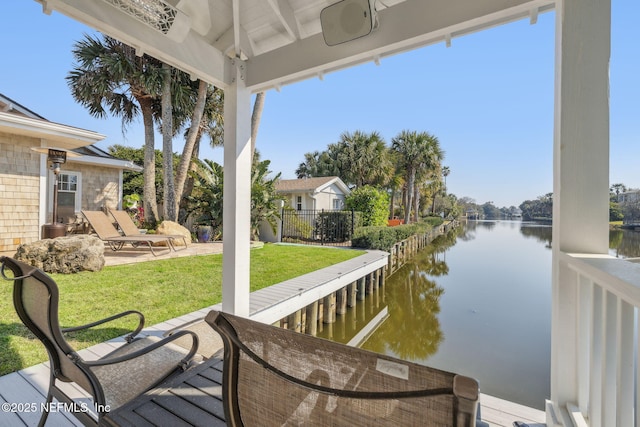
{"points": [[606, 371]]}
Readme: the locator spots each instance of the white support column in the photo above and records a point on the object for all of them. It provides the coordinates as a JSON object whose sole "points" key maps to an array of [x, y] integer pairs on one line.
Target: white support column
{"points": [[581, 173], [237, 195]]}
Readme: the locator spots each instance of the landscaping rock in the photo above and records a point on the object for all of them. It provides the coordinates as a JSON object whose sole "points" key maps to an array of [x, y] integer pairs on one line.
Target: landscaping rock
{"points": [[68, 254], [170, 227]]}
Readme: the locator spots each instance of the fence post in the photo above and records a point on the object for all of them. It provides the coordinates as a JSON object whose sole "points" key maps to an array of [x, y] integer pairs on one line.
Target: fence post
{"points": [[353, 223], [322, 226]]}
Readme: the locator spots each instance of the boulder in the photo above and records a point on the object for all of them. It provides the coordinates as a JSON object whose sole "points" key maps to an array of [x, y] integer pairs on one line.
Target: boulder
{"points": [[173, 228], [68, 254]]}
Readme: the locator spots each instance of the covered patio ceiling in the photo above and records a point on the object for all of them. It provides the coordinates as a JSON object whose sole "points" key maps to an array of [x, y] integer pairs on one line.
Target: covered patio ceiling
{"points": [[281, 41]]}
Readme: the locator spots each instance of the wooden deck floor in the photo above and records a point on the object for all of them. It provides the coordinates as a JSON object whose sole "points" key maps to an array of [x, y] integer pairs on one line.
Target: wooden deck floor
{"points": [[26, 390]]}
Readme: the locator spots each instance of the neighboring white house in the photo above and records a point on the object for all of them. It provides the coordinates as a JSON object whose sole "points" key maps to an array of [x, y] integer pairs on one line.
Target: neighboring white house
{"points": [[629, 196], [92, 180], [326, 193]]}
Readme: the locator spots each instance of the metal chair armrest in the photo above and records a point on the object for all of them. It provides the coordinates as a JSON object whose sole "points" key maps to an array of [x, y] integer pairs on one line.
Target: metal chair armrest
{"points": [[150, 348], [128, 338]]}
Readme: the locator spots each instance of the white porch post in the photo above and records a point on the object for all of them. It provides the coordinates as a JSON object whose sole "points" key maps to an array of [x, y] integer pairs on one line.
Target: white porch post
{"points": [[581, 175], [237, 195]]}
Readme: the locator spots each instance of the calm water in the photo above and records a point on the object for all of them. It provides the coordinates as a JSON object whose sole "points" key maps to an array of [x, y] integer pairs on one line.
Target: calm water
{"points": [[478, 302]]}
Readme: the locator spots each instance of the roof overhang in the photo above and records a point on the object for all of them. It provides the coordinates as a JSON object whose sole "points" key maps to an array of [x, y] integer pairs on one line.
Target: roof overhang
{"points": [[337, 182], [106, 162], [53, 134]]}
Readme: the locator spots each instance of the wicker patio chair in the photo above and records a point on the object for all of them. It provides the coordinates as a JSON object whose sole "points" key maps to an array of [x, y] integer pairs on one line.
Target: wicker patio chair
{"points": [[113, 380], [277, 377], [104, 229], [130, 229]]}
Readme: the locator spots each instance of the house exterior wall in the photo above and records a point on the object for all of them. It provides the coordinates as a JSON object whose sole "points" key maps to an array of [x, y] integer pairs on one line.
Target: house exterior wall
{"points": [[629, 196], [325, 199], [292, 199], [19, 191], [100, 186]]}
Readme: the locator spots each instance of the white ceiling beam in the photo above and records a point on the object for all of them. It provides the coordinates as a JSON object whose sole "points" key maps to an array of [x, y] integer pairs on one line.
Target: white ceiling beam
{"points": [[405, 26], [284, 12], [236, 27], [194, 55], [226, 43]]}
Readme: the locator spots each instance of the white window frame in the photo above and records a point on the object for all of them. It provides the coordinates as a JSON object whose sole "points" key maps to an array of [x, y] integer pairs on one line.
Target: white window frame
{"points": [[78, 195]]}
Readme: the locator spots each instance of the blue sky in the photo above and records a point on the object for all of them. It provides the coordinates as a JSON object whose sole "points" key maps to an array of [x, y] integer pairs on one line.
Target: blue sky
{"points": [[488, 98]]}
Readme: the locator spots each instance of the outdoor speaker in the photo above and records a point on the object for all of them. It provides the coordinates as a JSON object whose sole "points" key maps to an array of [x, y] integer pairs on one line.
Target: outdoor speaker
{"points": [[347, 20]]}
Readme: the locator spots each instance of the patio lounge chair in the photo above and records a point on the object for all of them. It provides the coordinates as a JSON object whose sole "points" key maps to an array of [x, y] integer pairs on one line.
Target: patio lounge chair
{"points": [[113, 380], [130, 229], [274, 376], [105, 230]]}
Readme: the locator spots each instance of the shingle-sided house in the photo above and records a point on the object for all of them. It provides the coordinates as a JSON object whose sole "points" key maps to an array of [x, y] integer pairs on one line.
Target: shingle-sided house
{"points": [[326, 193], [90, 181]]}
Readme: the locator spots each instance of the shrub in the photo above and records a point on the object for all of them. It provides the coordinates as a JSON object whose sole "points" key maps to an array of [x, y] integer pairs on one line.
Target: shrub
{"points": [[376, 237], [433, 221], [334, 226], [383, 238], [373, 203], [295, 226]]}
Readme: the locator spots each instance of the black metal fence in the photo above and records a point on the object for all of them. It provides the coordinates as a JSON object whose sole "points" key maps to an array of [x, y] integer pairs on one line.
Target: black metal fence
{"points": [[319, 227]]}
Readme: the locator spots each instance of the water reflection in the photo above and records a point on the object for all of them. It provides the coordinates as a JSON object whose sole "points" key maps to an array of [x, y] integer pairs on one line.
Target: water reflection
{"points": [[412, 331], [476, 302], [624, 243], [540, 232], [348, 325]]}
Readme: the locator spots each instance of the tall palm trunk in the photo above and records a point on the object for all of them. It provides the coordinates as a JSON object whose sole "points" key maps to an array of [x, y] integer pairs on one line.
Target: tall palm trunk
{"points": [[392, 202], [190, 143], [258, 106], [149, 173], [409, 201], [167, 147], [416, 203]]}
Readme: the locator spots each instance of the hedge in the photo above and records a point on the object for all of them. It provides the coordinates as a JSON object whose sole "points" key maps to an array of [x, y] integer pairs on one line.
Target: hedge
{"points": [[383, 238]]}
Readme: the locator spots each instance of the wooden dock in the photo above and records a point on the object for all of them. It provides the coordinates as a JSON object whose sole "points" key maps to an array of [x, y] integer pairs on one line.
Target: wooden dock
{"points": [[25, 390], [271, 304]]}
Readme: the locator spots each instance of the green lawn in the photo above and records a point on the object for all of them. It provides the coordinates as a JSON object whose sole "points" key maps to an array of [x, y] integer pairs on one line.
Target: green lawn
{"points": [[161, 290]]}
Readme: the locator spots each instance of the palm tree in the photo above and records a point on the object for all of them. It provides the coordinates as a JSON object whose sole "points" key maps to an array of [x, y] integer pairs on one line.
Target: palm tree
{"points": [[416, 151], [445, 173], [205, 202], [258, 106], [264, 206], [395, 183], [358, 158], [318, 164], [110, 77], [169, 205], [618, 188], [362, 158], [198, 106]]}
